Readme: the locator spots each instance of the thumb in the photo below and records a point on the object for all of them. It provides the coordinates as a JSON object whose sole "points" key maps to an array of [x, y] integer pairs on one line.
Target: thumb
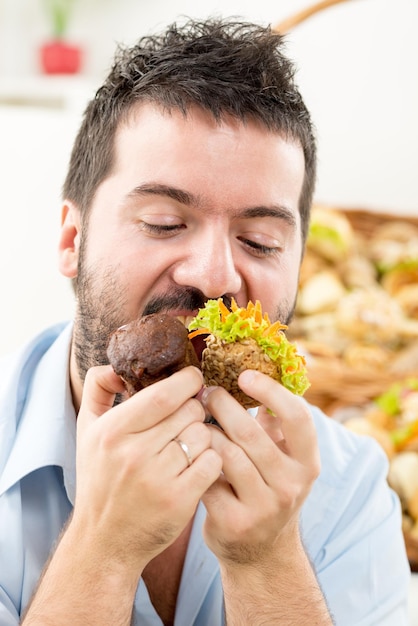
{"points": [[100, 387]]}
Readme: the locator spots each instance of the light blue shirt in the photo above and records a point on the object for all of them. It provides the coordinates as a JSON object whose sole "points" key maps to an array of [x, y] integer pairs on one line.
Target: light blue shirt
{"points": [[351, 521]]}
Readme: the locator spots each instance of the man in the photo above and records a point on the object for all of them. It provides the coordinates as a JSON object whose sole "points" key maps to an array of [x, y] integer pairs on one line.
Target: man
{"points": [[191, 178]]}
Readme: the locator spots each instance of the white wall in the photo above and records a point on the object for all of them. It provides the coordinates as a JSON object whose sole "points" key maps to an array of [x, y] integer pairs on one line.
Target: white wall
{"points": [[357, 70]]}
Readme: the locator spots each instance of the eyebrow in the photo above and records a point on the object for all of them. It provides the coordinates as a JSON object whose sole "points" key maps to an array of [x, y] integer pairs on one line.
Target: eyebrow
{"points": [[277, 211], [157, 189]]}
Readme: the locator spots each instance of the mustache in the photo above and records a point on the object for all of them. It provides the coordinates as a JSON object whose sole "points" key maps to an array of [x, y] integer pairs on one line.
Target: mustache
{"points": [[189, 299]]}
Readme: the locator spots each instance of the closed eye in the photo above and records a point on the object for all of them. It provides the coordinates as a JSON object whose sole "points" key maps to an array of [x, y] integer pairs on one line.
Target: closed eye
{"points": [[161, 229], [259, 249]]}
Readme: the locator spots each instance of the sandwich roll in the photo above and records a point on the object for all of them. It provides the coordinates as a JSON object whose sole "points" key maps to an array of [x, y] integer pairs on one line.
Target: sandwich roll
{"points": [[244, 338]]}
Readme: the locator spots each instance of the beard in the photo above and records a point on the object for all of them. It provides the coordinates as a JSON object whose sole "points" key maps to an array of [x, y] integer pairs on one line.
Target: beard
{"points": [[102, 305]]}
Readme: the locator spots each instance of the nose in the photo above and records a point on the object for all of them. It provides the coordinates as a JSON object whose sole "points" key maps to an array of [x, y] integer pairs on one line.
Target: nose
{"points": [[210, 267]]}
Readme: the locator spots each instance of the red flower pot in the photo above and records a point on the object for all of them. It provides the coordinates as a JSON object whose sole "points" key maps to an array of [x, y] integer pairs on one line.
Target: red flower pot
{"points": [[59, 57]]}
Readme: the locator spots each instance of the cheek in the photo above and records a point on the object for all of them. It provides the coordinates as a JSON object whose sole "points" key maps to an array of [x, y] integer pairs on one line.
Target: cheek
{"points": [[140, 269], [290, 270], [275, 286], [290, 267]]}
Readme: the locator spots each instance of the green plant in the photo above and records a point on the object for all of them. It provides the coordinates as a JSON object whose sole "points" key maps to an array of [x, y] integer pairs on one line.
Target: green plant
{"points": [[59, 12]]}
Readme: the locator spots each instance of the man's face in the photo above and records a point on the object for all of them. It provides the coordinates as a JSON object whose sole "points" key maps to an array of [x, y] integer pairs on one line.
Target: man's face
{"points": [[193, 210]]}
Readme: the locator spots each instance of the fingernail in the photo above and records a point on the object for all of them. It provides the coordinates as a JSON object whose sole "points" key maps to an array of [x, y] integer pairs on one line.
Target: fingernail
{"points": [[247, 376], [204, 394]]}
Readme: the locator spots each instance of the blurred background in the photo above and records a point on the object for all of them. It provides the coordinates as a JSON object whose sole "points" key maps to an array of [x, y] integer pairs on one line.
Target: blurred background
{"points": [[357, 69]]}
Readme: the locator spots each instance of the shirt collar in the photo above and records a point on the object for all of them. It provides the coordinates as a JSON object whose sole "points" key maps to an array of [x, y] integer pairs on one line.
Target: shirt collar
{"points": [[45, 428]]}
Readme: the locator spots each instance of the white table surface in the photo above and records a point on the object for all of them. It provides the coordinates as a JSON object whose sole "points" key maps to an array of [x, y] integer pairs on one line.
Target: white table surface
{"points": [[413, 601]]}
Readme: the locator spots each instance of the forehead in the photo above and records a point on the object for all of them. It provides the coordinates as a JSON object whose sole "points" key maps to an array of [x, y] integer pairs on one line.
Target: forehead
{"points": [[228, 159]]}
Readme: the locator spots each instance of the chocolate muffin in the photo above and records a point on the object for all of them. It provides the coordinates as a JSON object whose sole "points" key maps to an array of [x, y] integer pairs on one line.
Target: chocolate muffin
{"points": [[149, 349]]}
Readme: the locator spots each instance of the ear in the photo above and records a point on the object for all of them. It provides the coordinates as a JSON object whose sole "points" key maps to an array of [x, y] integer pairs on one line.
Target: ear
{"points": [[69, 241]]}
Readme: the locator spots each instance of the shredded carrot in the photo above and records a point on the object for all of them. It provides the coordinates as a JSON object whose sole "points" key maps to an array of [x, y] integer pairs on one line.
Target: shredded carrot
{"points": [[257, 313], [224, 310], [199, 331], [274, 328]]}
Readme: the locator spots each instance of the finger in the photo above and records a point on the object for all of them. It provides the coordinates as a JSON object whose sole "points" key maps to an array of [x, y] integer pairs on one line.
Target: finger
{"points": [[188, 445], [202, 473], [271, 424], [100, 387], [156, 402], [295, 419], [167, 395], [244, 431], [224, 409], [247, 480]]}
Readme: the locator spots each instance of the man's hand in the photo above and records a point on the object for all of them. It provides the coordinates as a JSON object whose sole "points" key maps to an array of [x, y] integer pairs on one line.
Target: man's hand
{"points": [[135, 494], [269, 466], [135, 490]]}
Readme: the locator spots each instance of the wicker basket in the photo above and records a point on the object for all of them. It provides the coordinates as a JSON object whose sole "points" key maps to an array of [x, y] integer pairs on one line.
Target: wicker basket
{"points": [[333, 383], [365, 222]]}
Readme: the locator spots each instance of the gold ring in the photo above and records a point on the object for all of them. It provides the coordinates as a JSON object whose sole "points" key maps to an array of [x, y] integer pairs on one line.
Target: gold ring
{"points": [[185, 449]]}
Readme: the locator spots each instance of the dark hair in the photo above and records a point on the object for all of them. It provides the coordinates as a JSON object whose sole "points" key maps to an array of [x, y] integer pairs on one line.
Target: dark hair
{"points": [[223, 66]]}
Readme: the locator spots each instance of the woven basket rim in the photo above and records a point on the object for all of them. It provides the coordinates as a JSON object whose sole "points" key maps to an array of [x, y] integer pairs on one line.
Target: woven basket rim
{"points": [[295, 19]]}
